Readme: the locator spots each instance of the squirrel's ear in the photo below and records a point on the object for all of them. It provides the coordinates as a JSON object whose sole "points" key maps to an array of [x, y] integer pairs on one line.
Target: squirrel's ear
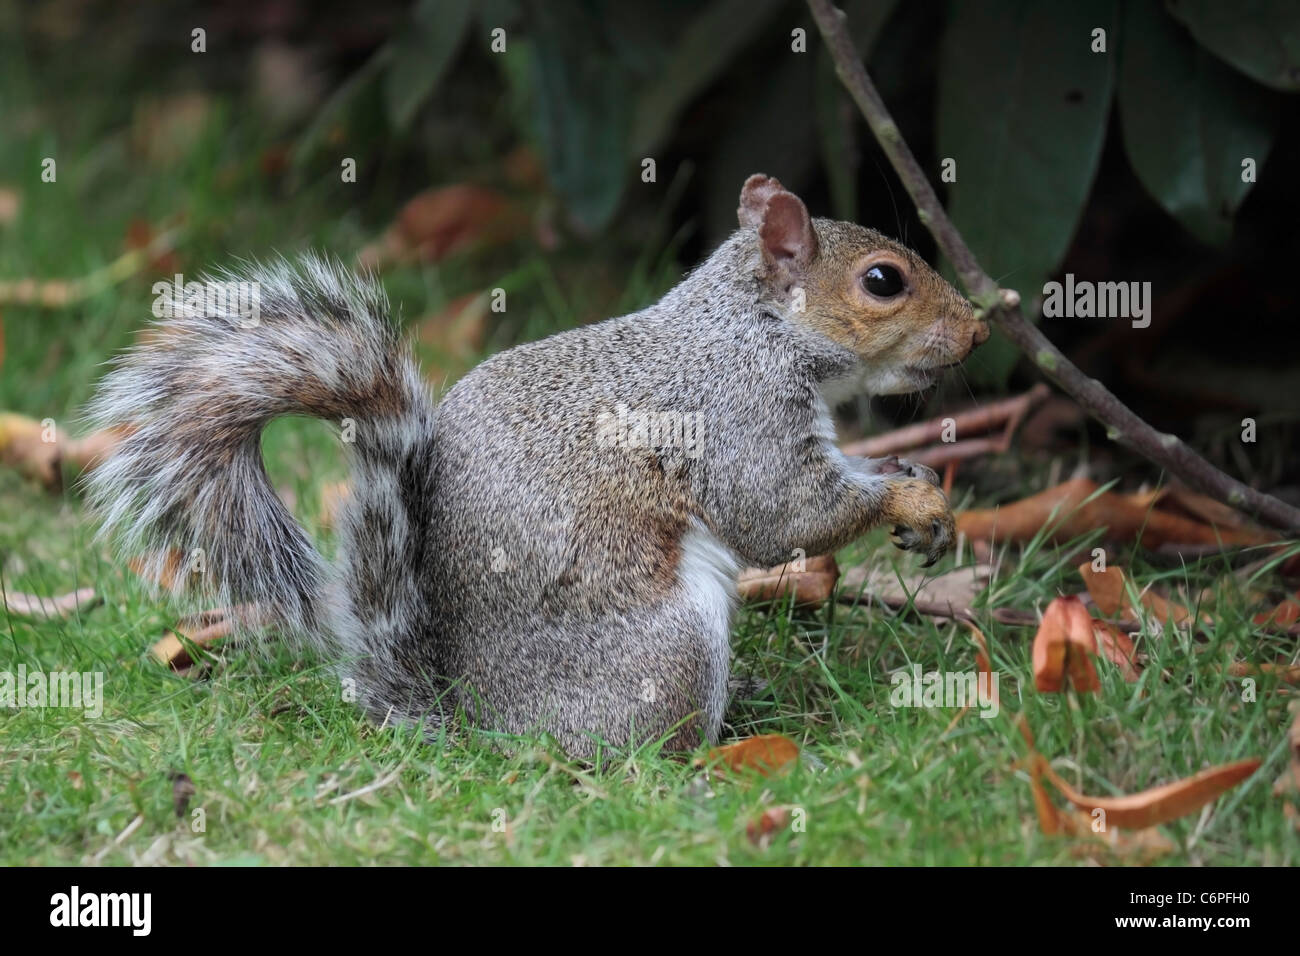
{"points": [[786, 235], [758, 189]]}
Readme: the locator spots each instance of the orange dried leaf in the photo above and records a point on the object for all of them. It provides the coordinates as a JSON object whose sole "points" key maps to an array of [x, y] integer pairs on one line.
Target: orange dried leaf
{"points": [[88, 453], [1049, 817], [1202, 507], [765, 753], [769, 821], [813, 585], [1287, 785], [1117, 647], [438, 222], [982, 658], [1284, 615], [32, 447], [1078, 653], [1049, 650], [1077, 512], [202, 630], [1288, 673], [1109, 592], [1159, 804], [1105, 587], [30, 605], [1063, 647]]}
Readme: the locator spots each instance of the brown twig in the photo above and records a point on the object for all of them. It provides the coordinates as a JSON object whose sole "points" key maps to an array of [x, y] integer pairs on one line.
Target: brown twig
{"points": [[943, 609], [1003, 305], [972, 421]]}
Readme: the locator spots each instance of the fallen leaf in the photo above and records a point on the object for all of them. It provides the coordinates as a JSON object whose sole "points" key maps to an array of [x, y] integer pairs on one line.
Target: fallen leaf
{"points": [[1284, 615], [28, 605], [1203, 507], [1287, 786], [201, 630], [87, 453], [982, 658], [1145, 843], [955, 589], [442, 221], [1105, 587], [1159, 804], [1110, 594], [1063, 648], [1050, 820], [812, 585], [766, 753], [769, 821], [1117, 647], [985, 670], [32, 447], [1075, 507], [1288, 673]]}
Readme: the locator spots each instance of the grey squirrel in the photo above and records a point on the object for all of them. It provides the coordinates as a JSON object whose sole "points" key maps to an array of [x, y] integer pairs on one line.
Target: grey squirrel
{"points": [[505, 554]]}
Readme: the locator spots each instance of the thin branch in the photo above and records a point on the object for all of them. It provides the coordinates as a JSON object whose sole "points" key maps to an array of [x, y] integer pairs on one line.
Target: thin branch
{"points": [[1003, 305], [1006, 415]]}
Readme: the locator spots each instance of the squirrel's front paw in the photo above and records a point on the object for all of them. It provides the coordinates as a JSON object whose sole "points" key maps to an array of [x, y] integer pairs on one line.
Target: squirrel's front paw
{"points": [[921, 517]]}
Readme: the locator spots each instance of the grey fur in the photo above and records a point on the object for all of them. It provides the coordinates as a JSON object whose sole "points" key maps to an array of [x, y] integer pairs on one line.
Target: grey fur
{"points": [[497, 553]]}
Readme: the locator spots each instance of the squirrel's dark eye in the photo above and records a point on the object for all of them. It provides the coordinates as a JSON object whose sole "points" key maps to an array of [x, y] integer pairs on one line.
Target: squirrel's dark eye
{"points": [[883, 281]]}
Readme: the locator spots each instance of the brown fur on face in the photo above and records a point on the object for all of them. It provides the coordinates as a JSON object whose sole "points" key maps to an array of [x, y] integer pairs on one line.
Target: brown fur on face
{"points": [[903, 340]]}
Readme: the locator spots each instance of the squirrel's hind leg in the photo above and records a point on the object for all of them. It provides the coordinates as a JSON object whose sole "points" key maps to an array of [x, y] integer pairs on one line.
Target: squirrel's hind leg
{"points": [[656, 672]]}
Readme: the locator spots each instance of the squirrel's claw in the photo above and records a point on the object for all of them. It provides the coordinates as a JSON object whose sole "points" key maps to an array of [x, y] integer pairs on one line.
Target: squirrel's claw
{"points": [[933, 540]]}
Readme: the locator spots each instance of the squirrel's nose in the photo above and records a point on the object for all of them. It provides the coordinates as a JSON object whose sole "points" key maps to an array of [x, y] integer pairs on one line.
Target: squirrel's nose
{"points": [[981, 334]]}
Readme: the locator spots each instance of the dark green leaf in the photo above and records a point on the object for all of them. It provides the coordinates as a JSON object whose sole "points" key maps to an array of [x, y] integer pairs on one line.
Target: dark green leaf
{"points": [[1259, 37], [421, 54], [837, 117], [707, 45], [1023, 102], [496, 13], [770, 132], [1189, 120], [338, 107], [581, 113]]}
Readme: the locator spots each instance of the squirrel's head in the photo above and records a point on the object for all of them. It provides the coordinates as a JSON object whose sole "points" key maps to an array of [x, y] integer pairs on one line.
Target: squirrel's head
{"points": [[860, 289]]}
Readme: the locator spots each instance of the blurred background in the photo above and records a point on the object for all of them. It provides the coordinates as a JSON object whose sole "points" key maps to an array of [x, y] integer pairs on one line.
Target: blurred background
{"points": [[583, 155]]}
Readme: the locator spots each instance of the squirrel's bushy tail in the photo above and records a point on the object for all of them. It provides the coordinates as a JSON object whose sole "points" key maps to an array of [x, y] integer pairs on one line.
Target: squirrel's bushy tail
{"points": [[198, 394]]}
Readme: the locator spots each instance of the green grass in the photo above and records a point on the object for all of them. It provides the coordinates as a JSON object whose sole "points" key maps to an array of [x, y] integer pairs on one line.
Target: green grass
{"points": [[285, 771]]}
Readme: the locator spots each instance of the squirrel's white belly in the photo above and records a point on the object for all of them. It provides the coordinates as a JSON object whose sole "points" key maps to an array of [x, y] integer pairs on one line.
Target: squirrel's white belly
{"points": [[707, 576]]}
